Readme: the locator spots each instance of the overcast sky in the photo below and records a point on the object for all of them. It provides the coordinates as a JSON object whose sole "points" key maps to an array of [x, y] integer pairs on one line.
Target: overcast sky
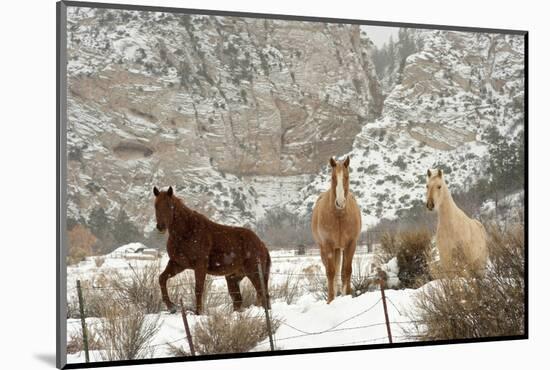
{"points": [[380, 35]]}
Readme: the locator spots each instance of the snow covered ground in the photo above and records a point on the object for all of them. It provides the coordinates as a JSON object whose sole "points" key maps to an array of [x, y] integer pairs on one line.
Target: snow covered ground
{"points": [[306, 323]]}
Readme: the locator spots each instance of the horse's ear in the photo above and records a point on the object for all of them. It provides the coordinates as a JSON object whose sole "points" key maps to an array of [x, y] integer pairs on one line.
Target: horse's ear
{"points": [[156, 191], [170, 191], [346, 162], [429, 173], [440, 174], [332, 162]]}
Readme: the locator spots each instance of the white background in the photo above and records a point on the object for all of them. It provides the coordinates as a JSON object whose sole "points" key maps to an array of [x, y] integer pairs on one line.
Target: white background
{"points": [[27, 208]]}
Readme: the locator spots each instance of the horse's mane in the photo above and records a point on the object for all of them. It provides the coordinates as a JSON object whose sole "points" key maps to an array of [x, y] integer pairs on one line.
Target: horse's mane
{"points": [[187, 214]]}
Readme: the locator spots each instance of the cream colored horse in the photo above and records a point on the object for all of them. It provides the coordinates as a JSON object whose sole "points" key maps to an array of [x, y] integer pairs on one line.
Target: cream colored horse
{"points": [[458, 236], [336, 225]]}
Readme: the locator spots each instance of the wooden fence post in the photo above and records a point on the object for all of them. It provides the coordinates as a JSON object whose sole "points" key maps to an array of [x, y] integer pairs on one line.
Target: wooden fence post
{"points": [[187, 331], [382, 280], [83, 321], [266, 305]]}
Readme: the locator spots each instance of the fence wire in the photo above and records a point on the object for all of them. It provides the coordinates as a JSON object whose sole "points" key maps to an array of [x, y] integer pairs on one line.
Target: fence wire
{"points": [[189, 286]]}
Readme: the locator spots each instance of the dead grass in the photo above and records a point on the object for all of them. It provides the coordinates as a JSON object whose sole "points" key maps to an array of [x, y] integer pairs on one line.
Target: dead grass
{"points": [[141, 289], [80, 243], [288, 290], [248, 293], [413, 251], [126, 333], [317, 285], [99, 260], [469, 307], [388, 248], [224, 332], [75, 341], [94, 301], [361, 281], [177, 351], [182, 287], [413, 258]]}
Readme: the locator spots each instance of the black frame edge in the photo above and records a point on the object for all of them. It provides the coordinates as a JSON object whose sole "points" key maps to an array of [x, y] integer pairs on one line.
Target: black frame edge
{"points": [[526, 180], [61, 119], [302, 351]]}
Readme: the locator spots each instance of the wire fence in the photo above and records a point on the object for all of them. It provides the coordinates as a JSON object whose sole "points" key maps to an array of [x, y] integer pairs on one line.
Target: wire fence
{"points": [[377, 281], [99, 323]]}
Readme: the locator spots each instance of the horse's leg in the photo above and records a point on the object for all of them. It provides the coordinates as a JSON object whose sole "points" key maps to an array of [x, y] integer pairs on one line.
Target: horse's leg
{"points": [[337, 264], [349, 251], [200, 277], [254, 278], [172, 269], [330, 271], [234, 290]]}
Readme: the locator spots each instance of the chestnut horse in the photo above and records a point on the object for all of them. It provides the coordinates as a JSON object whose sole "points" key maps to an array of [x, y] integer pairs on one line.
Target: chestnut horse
{"points": [[197, 243], [336, 225]]}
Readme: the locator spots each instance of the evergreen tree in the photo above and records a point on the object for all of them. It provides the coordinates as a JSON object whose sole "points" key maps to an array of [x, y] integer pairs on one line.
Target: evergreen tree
{"points": [[505, 165], [100, 225], [124, 230]]}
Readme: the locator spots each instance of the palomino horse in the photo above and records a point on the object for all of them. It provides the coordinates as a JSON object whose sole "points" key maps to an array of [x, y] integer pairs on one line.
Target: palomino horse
{"points": [[458, 236], [195, 242], [336, 225]]}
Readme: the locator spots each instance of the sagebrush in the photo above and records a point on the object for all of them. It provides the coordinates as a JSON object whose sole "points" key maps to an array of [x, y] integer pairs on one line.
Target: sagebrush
{"points": [[223, 331], [469, 307], [412, 248], [126, 333]]}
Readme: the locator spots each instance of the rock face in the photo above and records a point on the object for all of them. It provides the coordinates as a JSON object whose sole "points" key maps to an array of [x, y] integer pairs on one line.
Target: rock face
{"points": [[156, 98], [443, 101], [241, 115], [456, 84]]}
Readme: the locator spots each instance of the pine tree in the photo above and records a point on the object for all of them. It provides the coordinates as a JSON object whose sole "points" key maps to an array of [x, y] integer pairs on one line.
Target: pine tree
{"points": [[124, 230], [505, 165], [100, 225]]}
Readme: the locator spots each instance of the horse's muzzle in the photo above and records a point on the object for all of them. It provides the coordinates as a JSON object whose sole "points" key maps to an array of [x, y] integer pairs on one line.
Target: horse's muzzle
{"points": [[340, 206], [430, 205], [161, 228]]}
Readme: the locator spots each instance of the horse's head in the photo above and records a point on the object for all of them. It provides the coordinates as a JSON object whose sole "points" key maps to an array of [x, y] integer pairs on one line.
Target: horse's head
{"points": [[164, 207], [340, 181], [435, 189]]}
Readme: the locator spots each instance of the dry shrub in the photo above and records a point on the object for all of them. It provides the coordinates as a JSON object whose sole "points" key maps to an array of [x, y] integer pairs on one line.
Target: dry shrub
{"points": [[80, 241], [223, 332], [95, 300], [248, 293], [126, 333], [413, 256], [182, 288], [361, 281], [317, 285], [141, 289], [453, 308], [99, 261], [388, 248], [288, 290], [413, 251], [75, 341], [177, 351]]}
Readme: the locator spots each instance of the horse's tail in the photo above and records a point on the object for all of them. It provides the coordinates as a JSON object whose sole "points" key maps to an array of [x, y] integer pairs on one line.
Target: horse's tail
{"points": [[267, 266], [266, 277]]}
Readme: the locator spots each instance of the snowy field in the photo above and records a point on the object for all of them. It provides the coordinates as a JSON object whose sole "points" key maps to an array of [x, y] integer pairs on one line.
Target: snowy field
{"points": [[308, 322]]}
